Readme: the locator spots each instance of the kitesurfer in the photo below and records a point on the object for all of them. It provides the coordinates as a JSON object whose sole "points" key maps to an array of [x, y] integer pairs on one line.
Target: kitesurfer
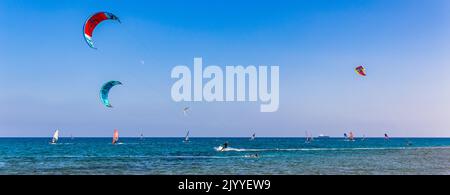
{"points": [[224, 146]]}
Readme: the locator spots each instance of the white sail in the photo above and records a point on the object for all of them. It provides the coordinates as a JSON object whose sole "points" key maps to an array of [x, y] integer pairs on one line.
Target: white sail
{"points": [[55, 136], [253, 136], [308, 138], [186, 138]]}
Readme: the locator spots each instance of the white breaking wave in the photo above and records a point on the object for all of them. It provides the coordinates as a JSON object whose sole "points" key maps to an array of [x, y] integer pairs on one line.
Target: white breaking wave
{"points": [[229, 149], [135, 156], [220, 149]]}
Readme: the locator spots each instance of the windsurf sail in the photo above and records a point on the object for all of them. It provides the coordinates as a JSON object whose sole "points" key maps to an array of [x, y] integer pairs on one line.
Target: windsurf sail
{"points": [[308, 138], [386, 137], [253, 136], [115, 136], [350, 136], [55, 136], [186, 138]]}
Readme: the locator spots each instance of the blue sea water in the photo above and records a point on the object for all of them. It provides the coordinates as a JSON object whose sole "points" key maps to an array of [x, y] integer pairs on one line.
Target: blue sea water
{"points": [[199, 156]]}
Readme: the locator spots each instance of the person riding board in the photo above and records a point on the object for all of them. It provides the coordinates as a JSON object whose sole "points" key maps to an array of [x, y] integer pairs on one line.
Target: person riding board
{"points": [[225, 145]]}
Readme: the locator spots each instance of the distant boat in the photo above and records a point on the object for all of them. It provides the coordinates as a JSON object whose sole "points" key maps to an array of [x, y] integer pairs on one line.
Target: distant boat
{"points": [[115, 136], [186, 138], [253, 137], [142, 136], [323, 136], [55, 137]]}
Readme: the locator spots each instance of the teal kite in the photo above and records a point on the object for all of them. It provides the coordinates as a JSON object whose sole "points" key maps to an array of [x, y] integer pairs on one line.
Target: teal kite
{"points": [[104, 91]]}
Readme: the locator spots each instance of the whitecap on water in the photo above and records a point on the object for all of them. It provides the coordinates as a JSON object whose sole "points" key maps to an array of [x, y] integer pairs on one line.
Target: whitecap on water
{"points": [[229, 149]]}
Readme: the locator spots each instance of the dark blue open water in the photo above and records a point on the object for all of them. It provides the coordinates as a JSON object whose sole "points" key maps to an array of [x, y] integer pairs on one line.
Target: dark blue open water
{"points": [[276, 156]]}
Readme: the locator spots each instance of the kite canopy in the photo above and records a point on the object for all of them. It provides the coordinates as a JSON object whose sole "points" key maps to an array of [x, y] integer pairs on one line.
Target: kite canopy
{"points": [[185, 110], [104, 91], [360, 70], [91, 24]]}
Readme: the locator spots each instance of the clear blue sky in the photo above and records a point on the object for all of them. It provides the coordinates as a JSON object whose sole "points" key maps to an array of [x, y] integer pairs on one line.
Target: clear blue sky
{"points": [[50, 79]]}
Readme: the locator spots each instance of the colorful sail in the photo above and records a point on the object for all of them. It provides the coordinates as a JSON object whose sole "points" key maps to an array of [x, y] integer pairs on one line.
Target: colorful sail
{"points": [[361, 71], [350, 136], [91, 24], [115, 136]]}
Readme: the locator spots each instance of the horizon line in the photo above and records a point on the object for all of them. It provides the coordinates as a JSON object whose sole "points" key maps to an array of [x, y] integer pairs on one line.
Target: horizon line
{"points": [[215, 137]]}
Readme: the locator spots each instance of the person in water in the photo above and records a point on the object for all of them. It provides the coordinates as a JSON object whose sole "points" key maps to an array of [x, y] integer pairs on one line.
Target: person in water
{"points": [[255, 155]]}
